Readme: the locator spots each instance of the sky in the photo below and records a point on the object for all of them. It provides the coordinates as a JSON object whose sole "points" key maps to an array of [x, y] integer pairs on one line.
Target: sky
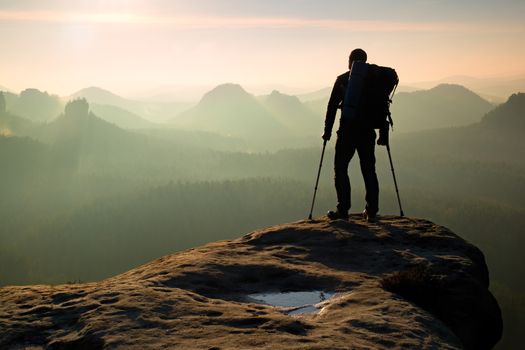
{"points": [[301, 45]]}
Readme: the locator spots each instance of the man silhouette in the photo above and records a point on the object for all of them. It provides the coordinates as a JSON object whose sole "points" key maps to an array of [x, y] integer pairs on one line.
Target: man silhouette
{"points": [[353, 135]]}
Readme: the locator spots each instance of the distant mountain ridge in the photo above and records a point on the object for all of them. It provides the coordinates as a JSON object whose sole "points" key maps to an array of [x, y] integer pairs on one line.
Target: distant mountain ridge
{"points": [[316, 95], [121, 117], [146, 111], [509, 115], [34, 105], [83, 130], [229, 110], [38, 106], [497, 137], [98, 95], [292, 113], [443, 106], [496, 89]]}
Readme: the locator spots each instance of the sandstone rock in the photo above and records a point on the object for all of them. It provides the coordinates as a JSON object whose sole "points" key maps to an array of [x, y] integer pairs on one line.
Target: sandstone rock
{"points": [[196, 299]]}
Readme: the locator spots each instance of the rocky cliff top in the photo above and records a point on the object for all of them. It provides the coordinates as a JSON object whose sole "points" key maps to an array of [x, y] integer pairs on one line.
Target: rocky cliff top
{"points": [[402, 283]]}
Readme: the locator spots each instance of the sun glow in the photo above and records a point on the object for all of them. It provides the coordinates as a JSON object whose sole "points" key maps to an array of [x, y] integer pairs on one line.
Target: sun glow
{"points": [[246, 22], [121, 43]]}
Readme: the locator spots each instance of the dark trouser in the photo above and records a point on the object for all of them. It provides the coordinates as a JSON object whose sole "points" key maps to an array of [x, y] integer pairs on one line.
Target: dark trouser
{"points": [[348, 141]]}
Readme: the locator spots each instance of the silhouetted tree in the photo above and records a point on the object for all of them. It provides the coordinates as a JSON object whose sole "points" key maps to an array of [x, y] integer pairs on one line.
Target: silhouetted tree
{"points": [[36, 105], [79, 107]]}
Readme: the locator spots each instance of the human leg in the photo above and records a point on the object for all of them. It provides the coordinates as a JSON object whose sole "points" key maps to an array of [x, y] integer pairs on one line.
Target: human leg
{"points": [[344, 151], [367, 160]]}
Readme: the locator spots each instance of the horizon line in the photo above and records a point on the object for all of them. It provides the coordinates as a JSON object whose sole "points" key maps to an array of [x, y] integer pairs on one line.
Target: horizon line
{"points": [[246, 87]]}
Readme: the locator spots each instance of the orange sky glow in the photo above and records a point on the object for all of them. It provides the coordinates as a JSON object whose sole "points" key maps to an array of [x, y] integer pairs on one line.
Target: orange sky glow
{"points": [[128, 48]]}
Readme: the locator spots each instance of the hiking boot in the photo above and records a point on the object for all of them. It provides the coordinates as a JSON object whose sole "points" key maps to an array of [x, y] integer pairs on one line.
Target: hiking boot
{"points": [[369, 217], [337, 215]]}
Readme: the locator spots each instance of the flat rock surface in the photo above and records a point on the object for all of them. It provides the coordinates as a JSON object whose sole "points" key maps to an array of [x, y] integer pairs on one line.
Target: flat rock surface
{"points": [[197, 299]]}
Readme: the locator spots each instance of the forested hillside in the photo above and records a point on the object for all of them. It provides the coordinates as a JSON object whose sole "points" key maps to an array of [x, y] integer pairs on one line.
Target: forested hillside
{"points": [[83, 199]]}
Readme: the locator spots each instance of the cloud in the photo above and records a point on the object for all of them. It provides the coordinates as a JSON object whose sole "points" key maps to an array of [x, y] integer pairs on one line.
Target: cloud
{"points": [[73, 17], [228, 22]]}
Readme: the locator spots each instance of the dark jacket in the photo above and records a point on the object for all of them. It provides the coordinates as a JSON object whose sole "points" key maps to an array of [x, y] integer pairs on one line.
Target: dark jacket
{"points": [[336, 101]]}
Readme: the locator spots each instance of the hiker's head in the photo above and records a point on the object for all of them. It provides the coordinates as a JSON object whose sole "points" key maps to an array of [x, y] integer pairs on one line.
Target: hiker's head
{"points": [[356, 55]]}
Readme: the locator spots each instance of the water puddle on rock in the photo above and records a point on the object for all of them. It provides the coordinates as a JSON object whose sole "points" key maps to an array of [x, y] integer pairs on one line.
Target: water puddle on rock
{"points": [[293, 303]]}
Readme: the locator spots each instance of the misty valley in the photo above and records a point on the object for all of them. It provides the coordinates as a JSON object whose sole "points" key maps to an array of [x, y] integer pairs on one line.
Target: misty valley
{"points": [[94, 184]]}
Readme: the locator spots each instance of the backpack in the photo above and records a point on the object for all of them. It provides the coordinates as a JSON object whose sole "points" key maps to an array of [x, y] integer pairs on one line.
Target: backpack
{"points": [[367, 98]]}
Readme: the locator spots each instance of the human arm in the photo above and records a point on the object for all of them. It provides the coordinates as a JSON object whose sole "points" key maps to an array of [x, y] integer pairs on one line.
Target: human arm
{"points": [[336, 97]]}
